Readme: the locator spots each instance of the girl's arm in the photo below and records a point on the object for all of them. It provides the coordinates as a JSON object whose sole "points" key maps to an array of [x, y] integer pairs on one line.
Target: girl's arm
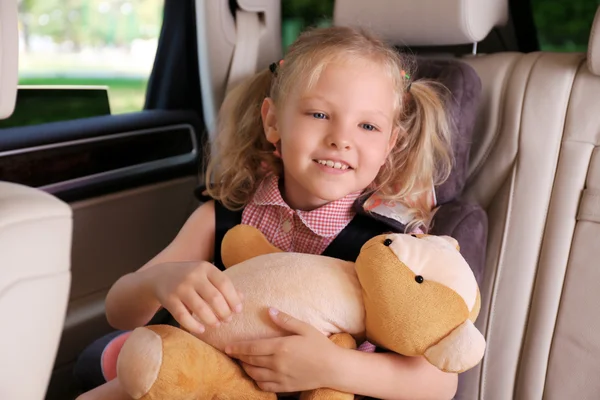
{"points": [[131, 301], [391, 376]]}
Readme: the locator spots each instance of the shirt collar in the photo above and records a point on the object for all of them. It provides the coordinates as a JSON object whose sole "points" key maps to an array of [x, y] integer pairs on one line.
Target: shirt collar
{"points": [[325, 221]]}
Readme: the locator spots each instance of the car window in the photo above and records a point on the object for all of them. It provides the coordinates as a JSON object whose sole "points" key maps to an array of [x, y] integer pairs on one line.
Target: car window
{"points": [[80, 58], [564, 25], [297, 15]]}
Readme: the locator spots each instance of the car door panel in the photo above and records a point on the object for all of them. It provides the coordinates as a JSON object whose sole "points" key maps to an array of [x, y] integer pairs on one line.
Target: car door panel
{"points": [[129, 180]]}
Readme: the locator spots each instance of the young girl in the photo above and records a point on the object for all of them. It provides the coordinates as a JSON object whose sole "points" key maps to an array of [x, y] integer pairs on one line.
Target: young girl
{"points": [[300, 146]]}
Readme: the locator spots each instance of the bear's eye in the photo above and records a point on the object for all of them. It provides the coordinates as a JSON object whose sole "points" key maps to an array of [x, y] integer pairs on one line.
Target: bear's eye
{"points": [[419, 279], [414, 236], [387, 242]]}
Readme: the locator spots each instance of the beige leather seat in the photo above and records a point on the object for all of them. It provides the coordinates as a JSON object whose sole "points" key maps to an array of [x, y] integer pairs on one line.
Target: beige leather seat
{"points": [[536, 170], [560, 343], [35, 244]]}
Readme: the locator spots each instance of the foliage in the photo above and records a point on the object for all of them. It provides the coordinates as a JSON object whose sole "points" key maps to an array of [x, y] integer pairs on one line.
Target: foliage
{"points": [[564, 24], [310, 11], [298, 15], [91, 22]]}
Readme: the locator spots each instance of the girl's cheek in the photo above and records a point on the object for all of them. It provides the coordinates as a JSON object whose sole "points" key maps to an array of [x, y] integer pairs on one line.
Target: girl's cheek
{"points": [[374, 152]]}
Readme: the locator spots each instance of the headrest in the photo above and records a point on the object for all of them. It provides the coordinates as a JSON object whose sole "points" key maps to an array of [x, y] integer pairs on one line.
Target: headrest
{"points": [[593, 54], [424, 22], [9, 56]]}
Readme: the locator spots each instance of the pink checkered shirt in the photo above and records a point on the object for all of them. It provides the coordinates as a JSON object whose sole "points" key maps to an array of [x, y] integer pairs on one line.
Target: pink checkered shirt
{"points": [[296, 230]]}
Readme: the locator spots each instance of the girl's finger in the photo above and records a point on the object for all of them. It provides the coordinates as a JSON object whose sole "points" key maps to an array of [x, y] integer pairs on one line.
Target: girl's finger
{"points": [[272, 387], [182, 315], [257, 361], [224, 285], [261, 347], [200, 309], [214, 299], [258, 374]]}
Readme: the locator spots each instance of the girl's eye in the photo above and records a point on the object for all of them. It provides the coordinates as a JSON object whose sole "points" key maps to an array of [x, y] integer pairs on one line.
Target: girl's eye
{"points": [[319, 115], [368, 127]]}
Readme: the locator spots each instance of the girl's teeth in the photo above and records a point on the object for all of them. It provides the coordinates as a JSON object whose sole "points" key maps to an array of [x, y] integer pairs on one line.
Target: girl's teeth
{"points": [[331, 164]]}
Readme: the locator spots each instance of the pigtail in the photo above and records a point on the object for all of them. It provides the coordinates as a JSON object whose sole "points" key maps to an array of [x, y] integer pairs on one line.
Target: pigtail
{"points": [[241, 155], [422, 154], [428, 148]]}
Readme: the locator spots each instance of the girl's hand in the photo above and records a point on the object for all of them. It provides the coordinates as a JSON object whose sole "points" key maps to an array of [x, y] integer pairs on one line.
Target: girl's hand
{"points": [[303, 361], [197, 288]]}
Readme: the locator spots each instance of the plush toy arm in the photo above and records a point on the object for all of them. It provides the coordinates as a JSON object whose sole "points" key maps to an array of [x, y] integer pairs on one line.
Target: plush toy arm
{"points": [[461, 350], [243, 242]]}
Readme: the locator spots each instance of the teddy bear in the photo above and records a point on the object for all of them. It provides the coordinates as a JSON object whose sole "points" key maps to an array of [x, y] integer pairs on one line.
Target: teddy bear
{"points": [[410, 294]]}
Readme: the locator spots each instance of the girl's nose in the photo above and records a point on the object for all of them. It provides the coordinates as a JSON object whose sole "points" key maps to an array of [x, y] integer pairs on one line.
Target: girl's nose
{"points": [[339, 144], [337, 139]]}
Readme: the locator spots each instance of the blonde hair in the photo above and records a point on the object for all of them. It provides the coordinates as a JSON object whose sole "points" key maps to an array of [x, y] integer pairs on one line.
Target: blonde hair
{"points": [[241, 155]]}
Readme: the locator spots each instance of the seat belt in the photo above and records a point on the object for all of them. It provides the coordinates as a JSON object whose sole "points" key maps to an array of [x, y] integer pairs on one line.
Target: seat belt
{"points": [[245, 54]]}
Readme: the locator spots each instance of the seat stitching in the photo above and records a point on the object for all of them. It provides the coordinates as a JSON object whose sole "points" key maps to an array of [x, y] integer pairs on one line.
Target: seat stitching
{"points": [[492, 305], [566, 106], [477, 169]]}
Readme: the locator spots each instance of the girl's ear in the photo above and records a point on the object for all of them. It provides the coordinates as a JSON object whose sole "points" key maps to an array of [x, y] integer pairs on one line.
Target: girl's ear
{"points": [[268, 113]]}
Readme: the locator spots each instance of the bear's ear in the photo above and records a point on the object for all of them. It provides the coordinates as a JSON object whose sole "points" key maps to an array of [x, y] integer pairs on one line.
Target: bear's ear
{"points": [[460, 351], [451, 240]]}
